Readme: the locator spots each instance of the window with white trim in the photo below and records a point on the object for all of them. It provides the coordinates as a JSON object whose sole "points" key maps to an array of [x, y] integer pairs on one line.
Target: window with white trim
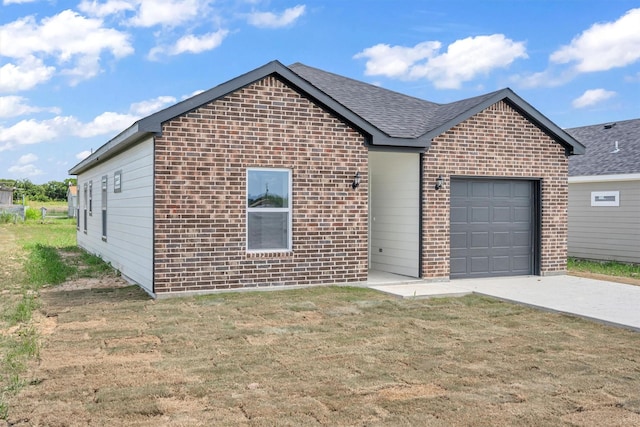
{"points": [[90, 198], [268, 209], [605, 198]]}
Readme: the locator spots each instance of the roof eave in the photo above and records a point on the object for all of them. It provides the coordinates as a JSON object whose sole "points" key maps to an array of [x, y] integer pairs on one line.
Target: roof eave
{"points": [[124, 139], [571, 145]]}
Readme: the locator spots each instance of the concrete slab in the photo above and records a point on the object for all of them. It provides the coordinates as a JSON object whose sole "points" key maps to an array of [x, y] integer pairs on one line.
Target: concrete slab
{"points": [[607, 302], [422, 289]]}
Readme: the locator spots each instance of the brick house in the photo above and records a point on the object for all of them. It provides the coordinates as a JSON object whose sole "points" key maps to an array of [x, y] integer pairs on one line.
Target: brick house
{"points": [[293, 176]]}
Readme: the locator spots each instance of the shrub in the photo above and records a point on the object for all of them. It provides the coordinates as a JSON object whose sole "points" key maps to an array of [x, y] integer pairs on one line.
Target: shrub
{"points": [[32, 213]]}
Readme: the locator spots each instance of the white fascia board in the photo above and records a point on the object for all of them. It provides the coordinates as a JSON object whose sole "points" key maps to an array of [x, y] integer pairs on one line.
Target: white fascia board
{"points": [[604, 178]]}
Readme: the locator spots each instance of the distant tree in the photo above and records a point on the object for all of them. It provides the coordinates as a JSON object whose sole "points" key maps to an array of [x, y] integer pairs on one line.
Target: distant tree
{"points": [[55, 190]]}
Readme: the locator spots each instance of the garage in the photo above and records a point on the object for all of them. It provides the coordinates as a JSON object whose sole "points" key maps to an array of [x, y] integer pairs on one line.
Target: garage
{"points": [[493, 227]]}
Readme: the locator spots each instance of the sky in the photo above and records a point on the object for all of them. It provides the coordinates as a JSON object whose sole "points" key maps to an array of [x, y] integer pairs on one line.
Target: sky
{"points": [[74, 74]]}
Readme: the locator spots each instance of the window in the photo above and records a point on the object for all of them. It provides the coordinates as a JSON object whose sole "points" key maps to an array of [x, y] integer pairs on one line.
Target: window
{"points": [[605, 198], [84, 214], [117, 182], [90, 198], [104, 207], [268, 209], [80, 199]]}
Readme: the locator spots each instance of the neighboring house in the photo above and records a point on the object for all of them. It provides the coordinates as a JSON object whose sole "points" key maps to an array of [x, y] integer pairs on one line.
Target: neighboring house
{"points": [[72, 201], [290, 176], [604, 193], [6, 195]]}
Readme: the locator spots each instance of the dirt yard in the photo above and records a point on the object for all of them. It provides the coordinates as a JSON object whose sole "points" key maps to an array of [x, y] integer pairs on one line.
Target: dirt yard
{"points": [[110, 356]]}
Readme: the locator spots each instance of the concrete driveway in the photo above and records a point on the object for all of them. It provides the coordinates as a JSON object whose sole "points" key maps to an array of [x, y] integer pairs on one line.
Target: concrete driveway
{"points": [[611, 303]]}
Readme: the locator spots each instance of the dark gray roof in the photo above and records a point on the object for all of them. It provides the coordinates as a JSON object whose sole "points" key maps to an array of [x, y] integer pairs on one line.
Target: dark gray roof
{"points": [[406, 117], [385, 117], [600, 141]]}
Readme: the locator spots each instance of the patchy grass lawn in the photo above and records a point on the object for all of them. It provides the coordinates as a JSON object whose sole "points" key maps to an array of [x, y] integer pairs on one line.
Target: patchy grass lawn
{"points": [[108, 355], [605, 270]]}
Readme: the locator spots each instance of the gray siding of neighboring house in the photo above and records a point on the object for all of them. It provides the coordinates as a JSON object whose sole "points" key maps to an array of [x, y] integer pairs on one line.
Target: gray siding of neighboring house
{"points": [[129, 243], [605, 232]]}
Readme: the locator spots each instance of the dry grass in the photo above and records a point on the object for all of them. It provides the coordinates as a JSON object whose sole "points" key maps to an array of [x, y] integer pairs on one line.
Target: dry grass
{"points": [[323, 356]]}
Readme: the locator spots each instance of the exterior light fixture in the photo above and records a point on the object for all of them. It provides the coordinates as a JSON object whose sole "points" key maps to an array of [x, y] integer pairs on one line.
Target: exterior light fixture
{"points": [[356, 181], [439, 182]]}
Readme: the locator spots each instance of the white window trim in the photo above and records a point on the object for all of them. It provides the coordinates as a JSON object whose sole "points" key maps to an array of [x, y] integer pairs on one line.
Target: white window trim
{"points": [[288, 209], [597, 196]]}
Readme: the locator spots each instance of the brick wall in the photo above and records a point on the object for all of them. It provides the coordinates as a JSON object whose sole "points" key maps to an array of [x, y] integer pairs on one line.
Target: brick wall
{"points": [[200, 196], [497, 142]]}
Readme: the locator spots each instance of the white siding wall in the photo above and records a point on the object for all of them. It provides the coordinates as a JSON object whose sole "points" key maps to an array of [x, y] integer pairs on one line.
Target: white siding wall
{"points": [[129, 243], [394, 199], [605, 232]]}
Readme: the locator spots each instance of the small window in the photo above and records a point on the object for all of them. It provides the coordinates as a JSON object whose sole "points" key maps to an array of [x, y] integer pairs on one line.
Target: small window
{"points": [[80, 200], [268, 209], [104, 207], [90, 198], [85, 208], [117, 182], [605, 198]]}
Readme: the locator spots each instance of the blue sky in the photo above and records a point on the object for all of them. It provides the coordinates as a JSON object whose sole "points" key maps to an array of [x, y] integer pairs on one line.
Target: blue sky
{"points": [[73, 74]]}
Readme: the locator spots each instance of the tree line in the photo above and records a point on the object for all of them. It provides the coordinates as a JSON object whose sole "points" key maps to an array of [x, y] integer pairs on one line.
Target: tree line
{"points": [[51, 191]]}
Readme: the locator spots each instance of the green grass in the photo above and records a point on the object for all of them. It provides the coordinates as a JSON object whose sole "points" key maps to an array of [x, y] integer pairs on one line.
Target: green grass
{"points": [[42, 253], [609, 268]]}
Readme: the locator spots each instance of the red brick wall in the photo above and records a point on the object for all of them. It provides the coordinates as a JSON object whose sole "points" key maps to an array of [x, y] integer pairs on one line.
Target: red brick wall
{"points": [[200, 196], [497, 142]]}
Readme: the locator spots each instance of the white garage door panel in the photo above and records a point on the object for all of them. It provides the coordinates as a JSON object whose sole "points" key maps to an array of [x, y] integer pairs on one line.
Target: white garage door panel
{"points": [[394, 198]]}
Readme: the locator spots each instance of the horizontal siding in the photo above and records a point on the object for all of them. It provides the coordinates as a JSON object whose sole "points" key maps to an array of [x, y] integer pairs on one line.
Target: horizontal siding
{"points": [[129, 244], [394, 204], [605, 232]]}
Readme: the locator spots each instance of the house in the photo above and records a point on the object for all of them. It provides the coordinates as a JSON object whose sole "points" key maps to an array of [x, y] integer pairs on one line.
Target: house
{"points": [[6, 195], [72, 201], [294, 176], [604, 193]]}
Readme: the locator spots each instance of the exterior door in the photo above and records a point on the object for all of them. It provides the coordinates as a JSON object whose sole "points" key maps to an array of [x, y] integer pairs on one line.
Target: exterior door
{"points": [[493, 225]]}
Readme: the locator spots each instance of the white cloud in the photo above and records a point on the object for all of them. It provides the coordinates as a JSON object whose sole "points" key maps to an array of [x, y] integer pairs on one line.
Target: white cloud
{"points": [[27, 158], [6, 2], [74, 41], [103, 124], [144, 108], [190, 44], [27, 132], [194, 93], [170, 13], [273, 20], [83, 155], [592, 97], [14, 106], [396, 61], [29, 170], [110, 7], [604, 45], [26, 74], [463, 61]]}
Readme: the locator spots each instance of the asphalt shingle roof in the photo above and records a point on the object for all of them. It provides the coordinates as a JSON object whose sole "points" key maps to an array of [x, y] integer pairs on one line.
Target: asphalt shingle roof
{"points": [[600, 141], [396, 114]]}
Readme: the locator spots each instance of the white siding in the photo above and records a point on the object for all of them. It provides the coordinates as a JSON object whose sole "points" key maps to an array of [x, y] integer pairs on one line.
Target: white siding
{"points": [[394, 198], [129, 243], [605, 232]]}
